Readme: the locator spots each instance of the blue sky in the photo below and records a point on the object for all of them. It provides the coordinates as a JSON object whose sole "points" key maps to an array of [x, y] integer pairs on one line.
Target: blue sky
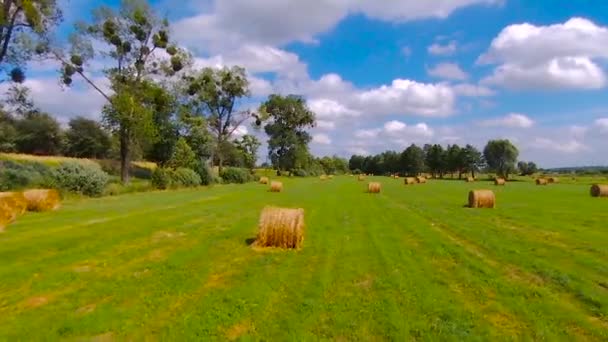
{"points": [[384, 74]]}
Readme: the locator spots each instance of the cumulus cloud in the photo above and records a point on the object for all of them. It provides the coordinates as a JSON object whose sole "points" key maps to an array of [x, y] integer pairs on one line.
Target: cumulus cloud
{"points": [[326, 125], [330, 109], [442, 50], [472, 90], [449, 71], [399, 128], [512, 120], [322, 139], [602, 123], [569, 146], [549, 57]]}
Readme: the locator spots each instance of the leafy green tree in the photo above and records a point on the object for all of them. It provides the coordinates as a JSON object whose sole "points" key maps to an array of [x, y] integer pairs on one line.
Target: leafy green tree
{"points": [[183, 155], [24, 29], [340, 165], [8, 133], [356, 163], [86, 138], [526, 168], [19, 100], [501, 156], [38, 133], [435, 158], [166, 123], [248, 145], [453, 160], [472, 160], [214, 94], [412, 160], [129, 39], [195, 130], [288, 117]]}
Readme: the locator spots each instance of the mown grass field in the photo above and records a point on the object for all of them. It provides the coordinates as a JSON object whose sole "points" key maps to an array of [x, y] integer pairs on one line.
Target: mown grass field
{"points": [[410, 263]]}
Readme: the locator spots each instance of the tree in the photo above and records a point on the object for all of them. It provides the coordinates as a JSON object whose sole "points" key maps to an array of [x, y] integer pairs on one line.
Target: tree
{"points": [[86, 138], [526, 169], [287, 117], [183, 156], [24, 25], [19, 100], [501, 156], [340, 165], [38, 133], [453, 160], [356, 163], [472, 160], [248, 145], [327, 163], [435, 160], [8, 133], [129, 40], [214, 94], [412, 160]]}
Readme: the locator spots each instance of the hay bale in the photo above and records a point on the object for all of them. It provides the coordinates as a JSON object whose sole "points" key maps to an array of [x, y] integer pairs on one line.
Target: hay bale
{"points": [[280, 227], [374, 188], [599, 190], [361, 178], [42, 200], [482, 199], [330, 177], [12, 205], [541, 181], [470, 179], [421, 180], [264, 180], [553, 180], [409, 180], [500, 181], [323, 177], [276, 187]]}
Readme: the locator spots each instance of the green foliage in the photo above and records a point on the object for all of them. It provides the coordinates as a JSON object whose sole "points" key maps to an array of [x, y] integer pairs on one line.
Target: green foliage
{"points": [[412, 160], [184, 177], [161, 178], [236, 175], [87, 179], [23, 174], [248, 147], [38, 133], [8, 133], [299, 173], [183, 156], [86, 138], [288, 117], [501, 156], [527, 168], [205, 173]]}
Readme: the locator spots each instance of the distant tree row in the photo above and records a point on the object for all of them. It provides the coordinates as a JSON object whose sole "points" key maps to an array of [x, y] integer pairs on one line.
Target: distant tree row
{"points": [[498, 156]]}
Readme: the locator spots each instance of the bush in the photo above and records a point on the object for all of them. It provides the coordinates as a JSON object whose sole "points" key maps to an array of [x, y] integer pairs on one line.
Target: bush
{"points": [[205, 172], [21, 175], [184, 177], [115, 189], [86, 179], [300, 173], [161, 178], [236, 175], [112, 167]]}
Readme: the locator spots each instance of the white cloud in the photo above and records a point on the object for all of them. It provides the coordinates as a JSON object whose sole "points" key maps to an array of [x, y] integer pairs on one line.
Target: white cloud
{"points": [[549, 57], [330, 109], [367, 133], [322, 139], [442, 50], [512, 120], [401, 129], [472, 90], [602, 123], [450, 71], [326, 125], [394, 126], [570, 146]]}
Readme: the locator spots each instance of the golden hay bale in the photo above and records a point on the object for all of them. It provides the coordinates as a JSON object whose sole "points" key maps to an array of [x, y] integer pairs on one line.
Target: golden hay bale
{"points": [[330, 177], [374, 188], [470, 179], [12, 205], [264, 180], [361, 178], [553, 180], [42, 200], [280, 227], [421, 180], [541, 181], [276, 187], [323, 177], [500, 181], [482, 199], [599, 190], [409, 180]]}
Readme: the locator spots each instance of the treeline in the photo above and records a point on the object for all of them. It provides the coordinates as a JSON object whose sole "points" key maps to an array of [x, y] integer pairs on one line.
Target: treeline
{"points": [[499, 156]]}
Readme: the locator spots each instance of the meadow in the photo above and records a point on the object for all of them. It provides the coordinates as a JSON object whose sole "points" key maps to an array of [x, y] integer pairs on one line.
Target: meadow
{"points": [[410, 263]]}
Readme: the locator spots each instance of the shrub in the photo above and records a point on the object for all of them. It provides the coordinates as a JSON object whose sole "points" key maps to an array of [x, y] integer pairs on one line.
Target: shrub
{"points": [[205, 172], [115, 189], [236, 175], [161, 178], [20, 175], [87, 179], [300, 173], [184, 177]]}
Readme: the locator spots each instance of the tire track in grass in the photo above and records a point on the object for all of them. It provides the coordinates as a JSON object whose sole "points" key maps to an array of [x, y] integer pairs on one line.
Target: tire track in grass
{"points": [[514, 274]]}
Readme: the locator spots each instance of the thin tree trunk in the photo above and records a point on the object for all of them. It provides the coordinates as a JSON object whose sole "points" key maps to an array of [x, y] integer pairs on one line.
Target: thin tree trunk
{"points": [[124, 156]]}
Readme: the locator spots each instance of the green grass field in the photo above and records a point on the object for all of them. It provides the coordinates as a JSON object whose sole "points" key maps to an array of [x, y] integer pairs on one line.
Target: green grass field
{"points": [[410, 263]]}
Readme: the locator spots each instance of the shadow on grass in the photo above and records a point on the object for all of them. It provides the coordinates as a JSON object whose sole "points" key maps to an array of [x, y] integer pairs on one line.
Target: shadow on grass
{"points": [[249, 241]]}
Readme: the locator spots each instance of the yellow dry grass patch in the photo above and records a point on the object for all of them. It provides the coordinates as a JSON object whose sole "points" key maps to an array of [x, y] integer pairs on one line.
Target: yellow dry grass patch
{"points": [[42, 199], [236, 331], [12, 205]]}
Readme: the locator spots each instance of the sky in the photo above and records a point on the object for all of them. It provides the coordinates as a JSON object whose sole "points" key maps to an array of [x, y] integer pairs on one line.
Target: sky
{"points": [[381, 75]]}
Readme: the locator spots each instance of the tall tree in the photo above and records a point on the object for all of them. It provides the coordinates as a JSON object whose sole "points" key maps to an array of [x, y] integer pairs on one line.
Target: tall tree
{"points": [[214, 94], [472, 159], [435, 159], [501, 156], [86, 138], [288, 117], [8, 133], [412, 160], [129, 41], [24, 25], [38, 133], [355, 163], [248, 145], [453, 160]]}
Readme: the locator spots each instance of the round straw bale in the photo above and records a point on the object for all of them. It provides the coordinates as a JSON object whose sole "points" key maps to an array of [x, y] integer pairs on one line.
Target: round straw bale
{"points": [[373, 188], [12, 205], [599, 190], [276, 186], [361, 178], [323, 177], [42, 200], [281, 227], [421, 179], [541, 181], [409, 180], [470, 179], [482, 199], [500, 181], [264, 180], [553, 180], [330, 177]]}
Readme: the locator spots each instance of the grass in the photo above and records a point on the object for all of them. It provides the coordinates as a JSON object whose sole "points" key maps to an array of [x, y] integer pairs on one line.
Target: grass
{"points": [[409, 263]]}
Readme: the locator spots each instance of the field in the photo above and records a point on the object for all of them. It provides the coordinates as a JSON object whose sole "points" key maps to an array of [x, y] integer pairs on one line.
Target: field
{"points": [[409, 263]]}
